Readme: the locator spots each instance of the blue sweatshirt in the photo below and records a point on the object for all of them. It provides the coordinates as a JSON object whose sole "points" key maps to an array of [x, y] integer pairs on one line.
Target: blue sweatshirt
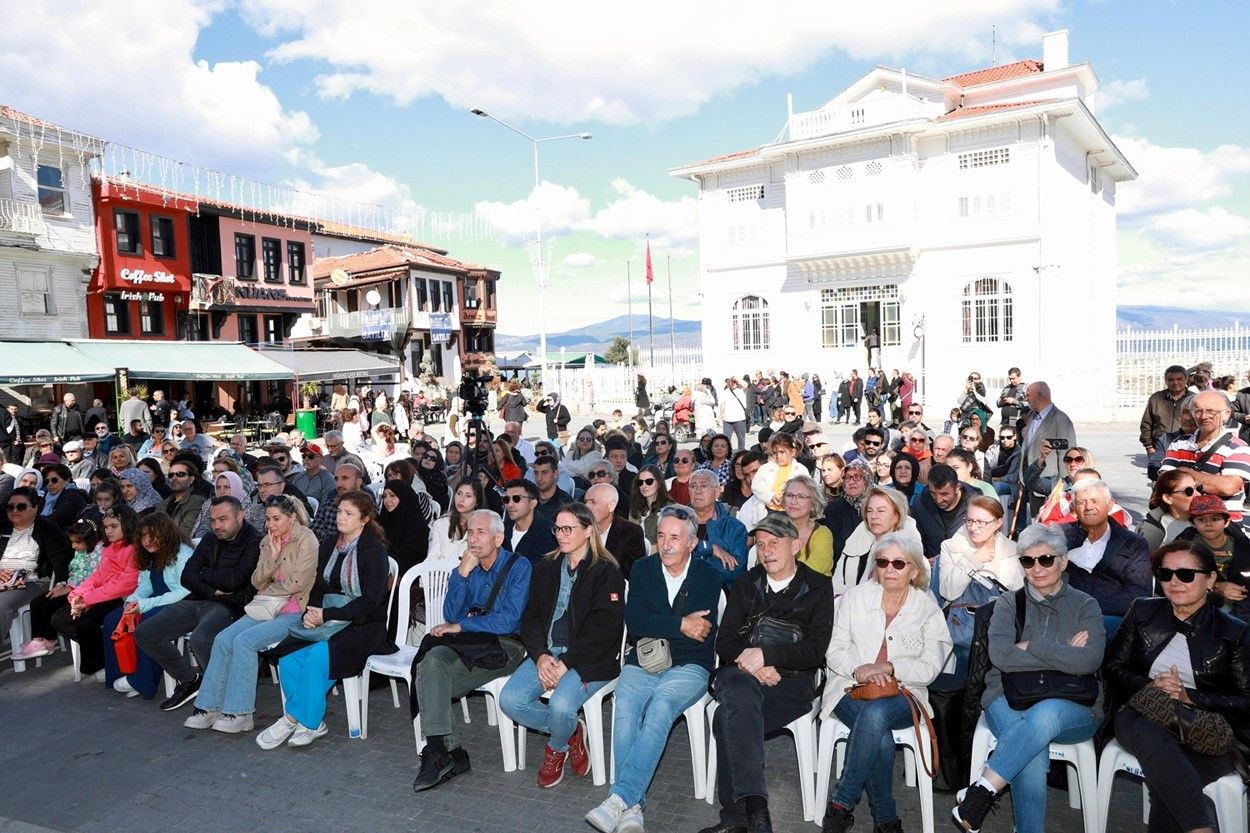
{"points": [[465, 593]]}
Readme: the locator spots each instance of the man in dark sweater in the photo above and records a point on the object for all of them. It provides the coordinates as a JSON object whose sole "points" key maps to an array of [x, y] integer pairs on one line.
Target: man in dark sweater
{"points": [[672, 596], [765, 683], [219, 576]]}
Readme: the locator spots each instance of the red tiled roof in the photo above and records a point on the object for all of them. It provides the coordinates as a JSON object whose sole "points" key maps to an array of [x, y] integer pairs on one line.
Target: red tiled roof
{"points": [[968, 112], [344, 230], [738, 154], [388, 257], [999, 73]]}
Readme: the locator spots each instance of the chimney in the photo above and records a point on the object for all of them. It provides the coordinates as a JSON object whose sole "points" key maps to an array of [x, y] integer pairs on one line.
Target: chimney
{"points": [[1055, 50]]}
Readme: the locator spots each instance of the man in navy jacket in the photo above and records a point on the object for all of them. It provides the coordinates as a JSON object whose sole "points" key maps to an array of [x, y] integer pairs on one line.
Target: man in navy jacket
{"points": [[526, 532], [1105, 560]]}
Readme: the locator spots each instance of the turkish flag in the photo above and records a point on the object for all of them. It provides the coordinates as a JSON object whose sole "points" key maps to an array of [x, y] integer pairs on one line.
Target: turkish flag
{"points": [[650, 273]]}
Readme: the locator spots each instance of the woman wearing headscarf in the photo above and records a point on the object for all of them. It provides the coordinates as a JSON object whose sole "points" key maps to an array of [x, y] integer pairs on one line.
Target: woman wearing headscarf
{"points": [[229, 483], [138, 491], [407, 534], [432, 471]]}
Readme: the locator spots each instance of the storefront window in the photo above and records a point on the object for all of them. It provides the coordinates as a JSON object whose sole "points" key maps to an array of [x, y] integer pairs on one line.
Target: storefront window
{"points": [[116, 314], [247, 329], [152, 318]]}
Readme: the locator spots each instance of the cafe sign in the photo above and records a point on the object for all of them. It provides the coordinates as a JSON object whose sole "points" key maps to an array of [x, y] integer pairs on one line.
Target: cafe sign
{"points": [[138, 276], [143, 296]]}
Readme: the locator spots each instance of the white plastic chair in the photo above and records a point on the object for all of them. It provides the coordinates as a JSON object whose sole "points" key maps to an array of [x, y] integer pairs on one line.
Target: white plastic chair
{"points": [[1081, 758], [1228, 793], [834, 731], [352, 691], [397, 666], [19, 635]]}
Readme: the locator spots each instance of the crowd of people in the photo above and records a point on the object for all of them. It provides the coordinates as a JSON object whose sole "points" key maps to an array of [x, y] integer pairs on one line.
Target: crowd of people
{"points": [[766, 574]]}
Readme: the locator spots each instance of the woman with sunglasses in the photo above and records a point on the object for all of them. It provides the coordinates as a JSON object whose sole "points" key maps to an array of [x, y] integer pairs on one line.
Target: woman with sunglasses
{"points": [[583, 453], [1185, 646], [63, 501], [889, 630], [1169, 508], [1231, 548], [648, 496], [283, 579], [432, 472], [1074, 459], [1062, 632], [660, 454], [34, 554]]}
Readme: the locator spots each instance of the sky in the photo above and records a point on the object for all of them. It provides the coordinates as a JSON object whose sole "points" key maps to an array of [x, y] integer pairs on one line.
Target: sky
{"points": [[370, 101]]}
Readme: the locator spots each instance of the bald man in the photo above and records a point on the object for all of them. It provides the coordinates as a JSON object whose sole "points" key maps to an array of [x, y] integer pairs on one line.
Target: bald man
{"points": [[1045, 423], [621, 537]]}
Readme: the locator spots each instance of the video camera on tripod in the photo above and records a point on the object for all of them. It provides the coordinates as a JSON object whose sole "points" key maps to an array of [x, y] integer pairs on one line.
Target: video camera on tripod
{"points": [[476, 400]]}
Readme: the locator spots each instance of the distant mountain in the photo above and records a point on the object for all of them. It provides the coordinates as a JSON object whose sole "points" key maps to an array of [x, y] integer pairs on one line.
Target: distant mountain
{"points": [[596, 337], [1160, 318]]}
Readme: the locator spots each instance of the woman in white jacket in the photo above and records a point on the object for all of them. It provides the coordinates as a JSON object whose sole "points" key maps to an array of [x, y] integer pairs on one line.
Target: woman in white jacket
{"points": [[978, 546], [888, 630], [884, 511]]}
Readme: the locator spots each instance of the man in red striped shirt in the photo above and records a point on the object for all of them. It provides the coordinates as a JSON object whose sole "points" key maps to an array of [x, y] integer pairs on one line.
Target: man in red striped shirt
{"points": [[1217, 458]]}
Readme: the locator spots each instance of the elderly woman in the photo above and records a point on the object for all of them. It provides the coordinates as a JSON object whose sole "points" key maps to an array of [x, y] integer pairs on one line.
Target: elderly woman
{"points": [[283, 579], [1182, 647], [1043, 629], [63, 502], [228, 483], [718, 461], [1169, 507], [886, 631], [844, 512], [1040, 477], [34, 554], [884, 511], [770, 481], [647, 497], [572, 629], [905, 475], [805, 506], [223, 463], [121, 457], [138, 491]]}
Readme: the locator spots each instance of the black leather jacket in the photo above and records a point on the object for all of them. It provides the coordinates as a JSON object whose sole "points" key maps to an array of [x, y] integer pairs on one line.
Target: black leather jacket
{"points": [[1219, 649]]}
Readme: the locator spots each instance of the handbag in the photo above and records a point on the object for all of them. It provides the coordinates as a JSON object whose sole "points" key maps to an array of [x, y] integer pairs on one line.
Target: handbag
{"points": [[961, 613], [1205, 732], [475, 648], [654, 654], [326, 629], [124, 643], [877, 691], [1028, 688], [764, 631], [265, 608]]}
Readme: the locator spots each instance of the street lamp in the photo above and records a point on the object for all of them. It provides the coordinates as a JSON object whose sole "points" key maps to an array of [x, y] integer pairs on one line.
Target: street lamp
{"points": [[541, 276]]}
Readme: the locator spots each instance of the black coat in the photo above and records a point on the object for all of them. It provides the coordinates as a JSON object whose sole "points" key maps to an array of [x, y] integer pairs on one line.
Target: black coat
{"points": [[627, 543], [1219, 650], [1236, 570], [68, 507], [1121, 576], [841, 517], [596, 616], [538, 540], [806, 601], [558, 418], [933, 531], [54, 549], [223, 565]]}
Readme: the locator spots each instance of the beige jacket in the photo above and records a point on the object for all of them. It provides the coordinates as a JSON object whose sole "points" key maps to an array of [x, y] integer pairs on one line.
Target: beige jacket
{"points": [[298, 562]]}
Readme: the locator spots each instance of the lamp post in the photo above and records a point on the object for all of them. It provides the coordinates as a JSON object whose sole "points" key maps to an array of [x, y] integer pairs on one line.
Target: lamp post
{"points": [[540, 277]]}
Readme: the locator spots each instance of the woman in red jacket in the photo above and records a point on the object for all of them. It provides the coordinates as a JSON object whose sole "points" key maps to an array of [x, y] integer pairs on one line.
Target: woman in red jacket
{"points": [[102, 591]]}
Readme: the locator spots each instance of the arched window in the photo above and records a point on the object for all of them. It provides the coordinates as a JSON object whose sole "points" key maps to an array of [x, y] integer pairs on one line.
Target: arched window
{"points": [[750, 323], [987, 312]]}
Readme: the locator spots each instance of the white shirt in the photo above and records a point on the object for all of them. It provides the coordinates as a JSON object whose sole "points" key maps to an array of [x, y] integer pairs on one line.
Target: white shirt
{"points": [[672, 582], [1088, 554], [1176, 652], [778, 586], [22, 553], [517, 535]]}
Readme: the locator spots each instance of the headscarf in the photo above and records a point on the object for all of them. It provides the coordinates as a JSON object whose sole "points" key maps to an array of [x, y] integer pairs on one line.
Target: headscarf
{"points": [[904, 457], [434, 481], [38, 478], [146, 495], [407, 530], [236, 486]]}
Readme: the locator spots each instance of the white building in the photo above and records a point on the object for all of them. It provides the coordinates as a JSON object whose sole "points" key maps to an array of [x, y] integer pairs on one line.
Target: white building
{"points": [[47, 227], [969, 220]]}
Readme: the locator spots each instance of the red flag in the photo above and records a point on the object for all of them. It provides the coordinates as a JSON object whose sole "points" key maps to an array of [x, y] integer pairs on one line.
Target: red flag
{"points": [[650, 274]]}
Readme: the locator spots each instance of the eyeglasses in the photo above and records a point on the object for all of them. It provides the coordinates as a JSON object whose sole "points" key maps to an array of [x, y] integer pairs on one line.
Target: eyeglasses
{"points": [[818, 445], [796, 496], [1027, 561], [52, 480], [433, 458], [662, 442], [897, 563], [1005, 437], [564, 530], [16, 507], [1075, 458], [595, 475], [169, 451], [646, 481], [280, 459], [1207, 412], [515, 498], [179, 474], [915, 411], [1185, 575], [977, 522], [585, 439], [789, 413], [872, 442], [916, 440], [1188, 491]]}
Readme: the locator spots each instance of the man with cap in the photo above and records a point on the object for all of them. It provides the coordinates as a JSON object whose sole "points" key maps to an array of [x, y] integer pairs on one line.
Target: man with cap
{"points": [[79, 465], [313, 479], [763, 682]]}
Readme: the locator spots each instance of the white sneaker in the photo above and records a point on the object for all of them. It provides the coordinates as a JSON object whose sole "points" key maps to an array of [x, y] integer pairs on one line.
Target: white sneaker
{"points": [[233, 724], [607, 815], [99, 676], [277, 734], [303, 736], [631, 820], [201, 719], [122, 686]]}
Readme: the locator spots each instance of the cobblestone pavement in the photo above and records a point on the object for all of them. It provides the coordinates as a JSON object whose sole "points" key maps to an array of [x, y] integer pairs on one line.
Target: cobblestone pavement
{"points": [[78, 757]]}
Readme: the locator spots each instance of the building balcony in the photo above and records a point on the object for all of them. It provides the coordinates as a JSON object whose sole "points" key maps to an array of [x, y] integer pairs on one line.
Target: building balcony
{"points": [[860, 115], [478, 316], [361, 323], [21, 218]]}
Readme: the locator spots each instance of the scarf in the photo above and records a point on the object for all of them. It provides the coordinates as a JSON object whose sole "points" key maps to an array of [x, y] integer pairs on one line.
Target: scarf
{"points": [[349, 575], [146, 495]]}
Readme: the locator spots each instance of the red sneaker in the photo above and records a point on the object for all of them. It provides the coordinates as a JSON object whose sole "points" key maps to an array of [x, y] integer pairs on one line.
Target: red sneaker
{"points": [[578, 757], [552, 770]]}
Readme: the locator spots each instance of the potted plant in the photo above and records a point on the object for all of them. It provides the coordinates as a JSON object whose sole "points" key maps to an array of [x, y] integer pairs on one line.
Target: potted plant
{"points": [[307, 391]]}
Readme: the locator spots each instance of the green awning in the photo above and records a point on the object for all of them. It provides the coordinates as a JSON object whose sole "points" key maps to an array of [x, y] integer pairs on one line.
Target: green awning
{"points": [[331, 365], [200, 361], [48, 363]]}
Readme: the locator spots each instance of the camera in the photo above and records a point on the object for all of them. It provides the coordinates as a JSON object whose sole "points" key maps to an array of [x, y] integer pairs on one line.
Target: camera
{"points": [[1058, 443], [473, 393]]}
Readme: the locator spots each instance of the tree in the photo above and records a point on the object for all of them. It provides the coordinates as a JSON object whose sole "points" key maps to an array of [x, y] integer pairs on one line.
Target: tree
{"points": [[618, 350]]}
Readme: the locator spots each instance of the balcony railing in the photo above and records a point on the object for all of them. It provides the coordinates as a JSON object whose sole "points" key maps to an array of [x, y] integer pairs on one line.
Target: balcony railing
{"points": [[21, 217], [352, 324], [860, 115]]}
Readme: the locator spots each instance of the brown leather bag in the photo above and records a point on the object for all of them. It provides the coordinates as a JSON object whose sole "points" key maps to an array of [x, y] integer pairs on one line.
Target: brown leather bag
{"points": [[874, 691]]}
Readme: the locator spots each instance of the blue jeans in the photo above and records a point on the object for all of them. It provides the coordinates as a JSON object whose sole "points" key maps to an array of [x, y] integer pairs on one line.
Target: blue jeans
{"points": [[647, 706], [1022, 756], [230, 680], [870, 753], [521, 699]]}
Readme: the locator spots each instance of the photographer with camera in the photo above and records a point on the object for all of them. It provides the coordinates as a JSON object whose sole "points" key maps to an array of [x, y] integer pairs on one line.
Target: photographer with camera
{"points": [[1045, 423]]}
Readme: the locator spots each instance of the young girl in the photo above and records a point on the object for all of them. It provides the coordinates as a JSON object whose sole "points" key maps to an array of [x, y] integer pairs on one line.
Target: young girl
{"points": [[84, 537]]}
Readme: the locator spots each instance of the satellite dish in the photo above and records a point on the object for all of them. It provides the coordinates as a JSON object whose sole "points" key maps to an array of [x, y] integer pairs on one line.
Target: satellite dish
{"points": [[373, 297], [339, 277]]}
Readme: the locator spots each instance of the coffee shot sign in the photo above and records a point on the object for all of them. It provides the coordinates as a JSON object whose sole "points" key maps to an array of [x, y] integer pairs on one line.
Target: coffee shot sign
{"points": [[143, 276]]}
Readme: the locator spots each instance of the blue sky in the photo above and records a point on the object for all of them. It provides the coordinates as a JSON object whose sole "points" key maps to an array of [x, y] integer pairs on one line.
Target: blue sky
{"points": [[370, 101]]}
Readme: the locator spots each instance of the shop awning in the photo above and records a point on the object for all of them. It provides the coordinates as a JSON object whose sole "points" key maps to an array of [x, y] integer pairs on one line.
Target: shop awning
{"points": [[199, 361], [48, 363], [334, 365]]}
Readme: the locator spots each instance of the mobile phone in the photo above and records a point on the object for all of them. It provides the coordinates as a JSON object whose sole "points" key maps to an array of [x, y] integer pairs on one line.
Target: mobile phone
{"points": [[1058, 443]]}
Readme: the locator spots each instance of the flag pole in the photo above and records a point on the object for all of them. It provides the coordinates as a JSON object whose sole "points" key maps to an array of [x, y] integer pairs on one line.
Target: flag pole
{"points": [[672, 327], [629, 293], [650, 320]]}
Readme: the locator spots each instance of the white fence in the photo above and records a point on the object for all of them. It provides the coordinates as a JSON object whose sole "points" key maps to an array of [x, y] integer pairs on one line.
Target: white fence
{"points": [[605, 387], [1142, 356]]}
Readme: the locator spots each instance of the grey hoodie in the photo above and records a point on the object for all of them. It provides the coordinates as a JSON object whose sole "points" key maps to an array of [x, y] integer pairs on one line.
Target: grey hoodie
{"points": [[1050, 622]]}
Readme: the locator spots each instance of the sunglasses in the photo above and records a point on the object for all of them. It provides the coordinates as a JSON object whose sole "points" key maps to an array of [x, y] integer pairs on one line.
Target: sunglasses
{"points": [[179, 474], [1075, 458], [53, 480], [916, 440], [970, 437], [514, 498], [683, 459], [1027, 561], [433, 458], [281, 459], [897, 563], [16, 507], [646, 481], [872, 442], [1188, 491], [1185, 575], [915, 412], [595, 475], [1005, 437]]}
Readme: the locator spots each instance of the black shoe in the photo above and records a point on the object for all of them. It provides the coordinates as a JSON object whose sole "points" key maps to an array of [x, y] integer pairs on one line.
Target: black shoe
{"points": [[723, 827], [969, 814], [895, 826], [758, 820], [837, 819], [439, 767], [183, 693]]}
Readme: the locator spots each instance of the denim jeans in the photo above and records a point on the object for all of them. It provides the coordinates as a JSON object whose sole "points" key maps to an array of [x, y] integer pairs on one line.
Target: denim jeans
{"points": [[647, 706], [870, 753], [521, 699], [1022, 756], [230, 680], [158, 635]]}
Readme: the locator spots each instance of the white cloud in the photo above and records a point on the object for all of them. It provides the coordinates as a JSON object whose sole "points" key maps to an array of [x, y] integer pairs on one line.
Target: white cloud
{"points": [[617, 64], [578, 260], [125, 71], [561, 209], [635, 213], [1174, 178], [353, 181], [1193, 230], [1117, 92]]}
